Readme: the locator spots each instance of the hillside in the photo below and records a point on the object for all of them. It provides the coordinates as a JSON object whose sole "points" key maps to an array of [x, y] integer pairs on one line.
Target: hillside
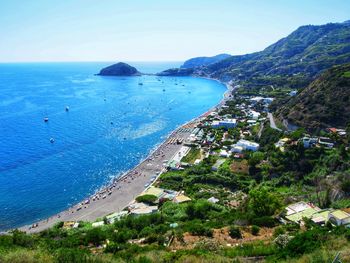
{"points": [[119, 69], [204, 61], [324, 103], [294, 60]]}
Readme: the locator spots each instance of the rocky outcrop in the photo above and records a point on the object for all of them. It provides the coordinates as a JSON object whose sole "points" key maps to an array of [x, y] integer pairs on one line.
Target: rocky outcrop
{"points": [[119, 69]]}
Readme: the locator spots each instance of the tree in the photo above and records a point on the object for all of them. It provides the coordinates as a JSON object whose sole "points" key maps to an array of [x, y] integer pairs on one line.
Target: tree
{"points": [[147, 199], [263, 202], [235, 232]]}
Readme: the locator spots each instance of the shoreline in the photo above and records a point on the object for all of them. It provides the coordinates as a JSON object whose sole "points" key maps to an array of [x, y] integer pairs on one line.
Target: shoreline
{"points": [[122, 191]]}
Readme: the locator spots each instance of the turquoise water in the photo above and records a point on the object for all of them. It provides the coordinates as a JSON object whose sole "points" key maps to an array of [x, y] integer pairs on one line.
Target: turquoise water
{"points": [[112, 124]]}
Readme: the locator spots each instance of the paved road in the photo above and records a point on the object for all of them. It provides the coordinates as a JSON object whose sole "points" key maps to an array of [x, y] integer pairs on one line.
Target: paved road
{"points": [[272, 122]]}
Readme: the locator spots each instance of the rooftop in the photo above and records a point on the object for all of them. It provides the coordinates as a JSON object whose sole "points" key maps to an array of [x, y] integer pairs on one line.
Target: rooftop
{"points": [[340, 214]]}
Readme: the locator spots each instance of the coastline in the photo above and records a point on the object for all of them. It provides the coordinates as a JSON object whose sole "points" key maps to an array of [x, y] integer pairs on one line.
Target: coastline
{"points": [[122, 191]]}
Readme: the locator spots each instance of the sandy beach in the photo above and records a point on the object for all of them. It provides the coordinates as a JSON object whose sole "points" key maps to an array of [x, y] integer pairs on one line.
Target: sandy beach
{"points": [[123, 190]]}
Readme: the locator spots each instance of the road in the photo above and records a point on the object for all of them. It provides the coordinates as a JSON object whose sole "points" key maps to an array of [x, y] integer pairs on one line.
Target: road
{"points": [[272, 122]]}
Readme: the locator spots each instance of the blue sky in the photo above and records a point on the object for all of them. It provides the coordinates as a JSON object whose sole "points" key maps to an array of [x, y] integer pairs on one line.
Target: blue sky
{"points": [[152, 30]]}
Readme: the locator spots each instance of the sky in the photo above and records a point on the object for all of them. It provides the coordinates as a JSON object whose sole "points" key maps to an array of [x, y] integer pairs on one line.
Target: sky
{"points": [[152, 30]]}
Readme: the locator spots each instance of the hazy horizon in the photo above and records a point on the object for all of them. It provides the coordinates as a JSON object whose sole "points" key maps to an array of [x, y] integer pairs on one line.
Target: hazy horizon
{"points": [[151, 31]]}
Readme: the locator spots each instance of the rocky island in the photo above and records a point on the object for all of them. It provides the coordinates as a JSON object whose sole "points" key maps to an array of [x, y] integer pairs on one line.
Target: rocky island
{"points": [[119, 69]]}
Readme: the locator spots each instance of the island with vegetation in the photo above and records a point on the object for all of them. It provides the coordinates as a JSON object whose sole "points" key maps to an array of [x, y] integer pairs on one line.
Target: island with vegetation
{"points": [[119, 69], [242, 186]]}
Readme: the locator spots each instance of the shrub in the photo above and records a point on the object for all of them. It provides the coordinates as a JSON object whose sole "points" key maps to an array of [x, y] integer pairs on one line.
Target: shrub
{"points": [[22, 239], [147, 199], [235, 232], [278, 231], [255, 230], [122, 236], [95, 236], [282, 240], [6, 241], [64, 255], [199, 209], [196, 227], [266, 221], [305, 242]]}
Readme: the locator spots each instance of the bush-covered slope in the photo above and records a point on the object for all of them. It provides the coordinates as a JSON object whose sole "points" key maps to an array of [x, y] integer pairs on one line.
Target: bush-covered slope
{"points": [[324, 103], [204, 61], [307, 51], [294, 60]]}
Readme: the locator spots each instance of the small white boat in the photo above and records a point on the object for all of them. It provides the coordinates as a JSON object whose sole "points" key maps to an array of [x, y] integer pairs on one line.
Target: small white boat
{"points": [[46, 119], [52, 140], [67, 108]]}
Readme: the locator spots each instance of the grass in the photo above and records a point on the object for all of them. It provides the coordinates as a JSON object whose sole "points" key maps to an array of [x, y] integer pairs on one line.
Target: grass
{"points": [[346, 74], [192, 155]]}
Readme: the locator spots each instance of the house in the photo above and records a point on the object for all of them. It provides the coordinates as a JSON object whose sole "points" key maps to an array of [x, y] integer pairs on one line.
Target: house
{"points": [[70, 224], [340, 132], [255, 100], [297, 211], [248, 145], [158, 192], [142, 209], [325, 142], [116, 216], [213, 200], [227, 123], [237, 149], [254, 114], [174, 165], [293, 93], [97, 224], [251, 122], [309, 141], [217, 164], [320, 217], [339, 217], [280, 144], [224, 153], [181, 198]]}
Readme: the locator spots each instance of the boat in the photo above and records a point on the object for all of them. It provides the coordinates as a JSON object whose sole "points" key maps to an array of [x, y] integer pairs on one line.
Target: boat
{"points": [[46, 119], [52, 140], [140, 83], [67, 108]]}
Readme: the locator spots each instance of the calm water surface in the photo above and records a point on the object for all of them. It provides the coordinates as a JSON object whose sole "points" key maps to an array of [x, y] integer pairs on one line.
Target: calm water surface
{"points": [[39, 178]]}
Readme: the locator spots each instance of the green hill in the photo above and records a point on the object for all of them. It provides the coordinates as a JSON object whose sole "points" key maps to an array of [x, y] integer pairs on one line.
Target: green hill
{"points": [[204, 61], [324, 103], [294, 60]]}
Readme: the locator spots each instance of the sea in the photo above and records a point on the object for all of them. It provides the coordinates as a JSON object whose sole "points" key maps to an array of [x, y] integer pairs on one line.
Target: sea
{"points": [[111, 125]]}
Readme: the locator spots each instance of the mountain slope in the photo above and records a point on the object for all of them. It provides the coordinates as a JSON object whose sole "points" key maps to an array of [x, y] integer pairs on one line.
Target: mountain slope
{"points": [[324, 103], [295, 59], [204, 61], [307, 51]]}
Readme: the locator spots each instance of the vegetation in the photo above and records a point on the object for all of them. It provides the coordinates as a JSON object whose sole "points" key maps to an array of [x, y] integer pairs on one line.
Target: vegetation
{"points": [[236, 209], [324, 103], [147, 199]]}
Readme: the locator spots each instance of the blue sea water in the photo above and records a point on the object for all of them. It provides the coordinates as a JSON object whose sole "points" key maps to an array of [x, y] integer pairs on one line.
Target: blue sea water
{"points": [[39, 178]]}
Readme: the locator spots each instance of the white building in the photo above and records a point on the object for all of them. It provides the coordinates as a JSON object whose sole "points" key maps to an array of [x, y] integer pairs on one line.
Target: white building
{"points": [[309, 142], [227, 123], [293, 93], [248, 145], [237, 149], [254, 114], [224, 153], [339, 217]]}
